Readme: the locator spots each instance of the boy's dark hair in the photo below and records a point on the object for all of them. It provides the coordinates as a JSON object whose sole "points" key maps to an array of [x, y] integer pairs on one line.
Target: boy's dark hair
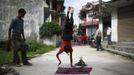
{"points": [[21, 10]]}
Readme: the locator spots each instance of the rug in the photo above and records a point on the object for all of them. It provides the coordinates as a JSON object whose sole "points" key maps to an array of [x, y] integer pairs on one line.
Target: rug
{"points": [[82, 70]]}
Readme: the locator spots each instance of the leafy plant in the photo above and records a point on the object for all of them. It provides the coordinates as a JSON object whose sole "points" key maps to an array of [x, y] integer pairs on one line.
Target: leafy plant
{"points": [[35, 48], [5, 57], [49, 29]]}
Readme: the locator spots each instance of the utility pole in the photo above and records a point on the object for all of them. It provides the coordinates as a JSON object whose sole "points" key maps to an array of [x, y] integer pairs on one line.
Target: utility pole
{"points": [[100, 17], [100, 4]]}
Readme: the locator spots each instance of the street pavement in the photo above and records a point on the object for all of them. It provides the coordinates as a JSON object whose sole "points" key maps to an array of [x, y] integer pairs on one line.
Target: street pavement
{"points": [[102, 62]]}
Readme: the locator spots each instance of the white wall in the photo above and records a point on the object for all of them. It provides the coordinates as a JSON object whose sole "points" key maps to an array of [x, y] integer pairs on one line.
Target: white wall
{"points": [[114, 26], [33, 18], [50, 16], [101, 26], [87, 32]]}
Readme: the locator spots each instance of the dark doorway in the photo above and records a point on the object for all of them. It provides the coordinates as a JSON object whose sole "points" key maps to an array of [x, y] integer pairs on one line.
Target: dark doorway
{"points": [[106, 23]]}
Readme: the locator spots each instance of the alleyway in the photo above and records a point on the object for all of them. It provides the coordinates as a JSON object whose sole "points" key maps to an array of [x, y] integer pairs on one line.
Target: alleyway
{"points": [[102, 62]]}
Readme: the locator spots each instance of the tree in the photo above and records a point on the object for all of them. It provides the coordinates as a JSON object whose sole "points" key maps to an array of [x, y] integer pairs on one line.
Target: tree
{"points": [[48, 29], [82, 14]]}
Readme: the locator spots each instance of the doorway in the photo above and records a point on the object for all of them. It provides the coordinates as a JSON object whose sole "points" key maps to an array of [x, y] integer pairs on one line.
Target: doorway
{"points": [[106, 23]]}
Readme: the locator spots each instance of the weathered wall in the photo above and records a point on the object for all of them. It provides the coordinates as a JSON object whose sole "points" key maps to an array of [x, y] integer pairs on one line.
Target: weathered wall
{"points": [[126, 23], [114, 26], [33, 18]]}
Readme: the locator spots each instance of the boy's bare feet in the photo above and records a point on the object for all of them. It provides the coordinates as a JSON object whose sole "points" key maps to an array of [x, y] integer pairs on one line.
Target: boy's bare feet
{"points": [[72, 10], [69, 8]]}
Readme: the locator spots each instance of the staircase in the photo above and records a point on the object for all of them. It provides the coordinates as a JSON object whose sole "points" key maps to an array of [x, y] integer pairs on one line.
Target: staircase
{"points": [[123, 48]]}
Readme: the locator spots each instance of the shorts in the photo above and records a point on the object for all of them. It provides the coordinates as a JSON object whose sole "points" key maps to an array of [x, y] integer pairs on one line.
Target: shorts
{"points": [[65, 43]]}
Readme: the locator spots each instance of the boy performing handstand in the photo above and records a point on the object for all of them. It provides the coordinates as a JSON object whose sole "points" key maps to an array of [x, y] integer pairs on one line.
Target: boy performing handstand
{"points": [[67, 36]]}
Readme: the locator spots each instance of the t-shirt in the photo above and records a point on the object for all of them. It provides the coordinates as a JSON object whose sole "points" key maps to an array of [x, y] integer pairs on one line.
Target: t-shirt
{"points": [[109, 31], [17, 27], [98, 33]]}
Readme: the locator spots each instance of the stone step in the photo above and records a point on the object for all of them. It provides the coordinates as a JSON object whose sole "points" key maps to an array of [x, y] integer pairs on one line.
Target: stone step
{"points": [[121, 46], [125, 44], [129, 49]]}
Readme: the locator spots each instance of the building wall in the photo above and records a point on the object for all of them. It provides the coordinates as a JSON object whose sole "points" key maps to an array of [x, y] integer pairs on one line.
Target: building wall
{"points": [[101, 27], [56, 8], [33, 18], [114, 26], [126, 23]]}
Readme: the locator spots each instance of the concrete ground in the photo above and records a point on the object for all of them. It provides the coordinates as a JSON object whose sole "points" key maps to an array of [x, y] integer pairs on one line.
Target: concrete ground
{"points": [[102, 62]]}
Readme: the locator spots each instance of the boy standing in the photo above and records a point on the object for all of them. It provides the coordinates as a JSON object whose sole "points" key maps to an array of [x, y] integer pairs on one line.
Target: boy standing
{"points": [[18, 38]]}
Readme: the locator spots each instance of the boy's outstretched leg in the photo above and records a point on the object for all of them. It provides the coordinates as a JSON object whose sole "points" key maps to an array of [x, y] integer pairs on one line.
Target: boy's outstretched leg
{"points": [[57, 55], [71, 60]]}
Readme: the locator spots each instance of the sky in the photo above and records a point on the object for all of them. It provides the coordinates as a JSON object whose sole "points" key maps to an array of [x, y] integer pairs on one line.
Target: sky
{"points": [[77, 4]]}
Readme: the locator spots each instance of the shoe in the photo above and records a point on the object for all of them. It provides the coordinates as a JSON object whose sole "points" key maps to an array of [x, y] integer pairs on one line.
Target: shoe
{"points": [[27, 64], [102, 49]]}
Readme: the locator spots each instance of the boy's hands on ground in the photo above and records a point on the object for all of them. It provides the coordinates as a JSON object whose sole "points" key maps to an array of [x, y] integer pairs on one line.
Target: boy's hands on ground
{"points": [[72, 66]]}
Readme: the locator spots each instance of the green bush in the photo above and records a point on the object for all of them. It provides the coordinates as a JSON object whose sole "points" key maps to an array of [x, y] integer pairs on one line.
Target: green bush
{"points": [[49, 29], [5, 57], [35, 48], [38, 48]]}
